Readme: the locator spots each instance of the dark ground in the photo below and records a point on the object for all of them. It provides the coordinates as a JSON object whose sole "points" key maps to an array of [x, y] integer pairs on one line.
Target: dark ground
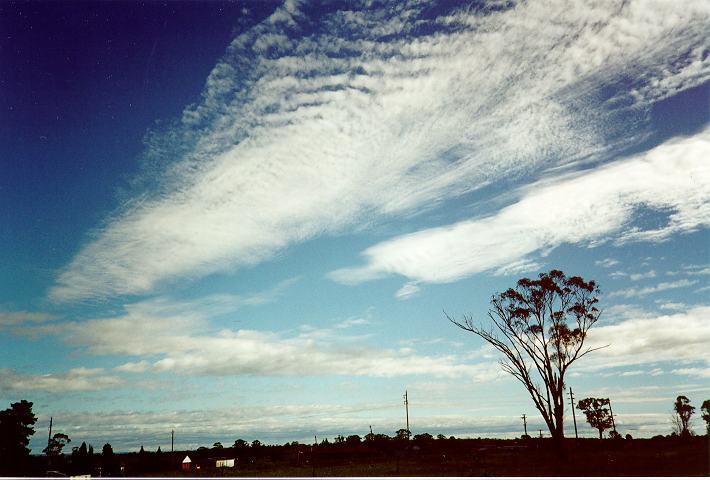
{"points": [[662, 456]]}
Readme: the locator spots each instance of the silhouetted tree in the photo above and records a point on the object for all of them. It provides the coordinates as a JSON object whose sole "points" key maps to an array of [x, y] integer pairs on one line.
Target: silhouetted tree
{"points": [[597, 413], [423, 438], [402, 434], [56, 444], [108, 460], [217, 445], [353, 440], [705, 410], [255, 444], [540, 326], [240, 444], [15, 431], [683, 410], [81, 461]]}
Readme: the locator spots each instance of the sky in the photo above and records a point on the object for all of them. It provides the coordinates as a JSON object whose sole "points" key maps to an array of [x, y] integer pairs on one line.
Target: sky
{"points": [[249, 219]]}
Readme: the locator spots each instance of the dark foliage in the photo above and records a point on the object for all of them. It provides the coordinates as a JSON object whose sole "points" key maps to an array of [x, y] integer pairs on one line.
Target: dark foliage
{"points": [[16, 429], [597, 412], [705, 414], [56, 444], [684, 410]]}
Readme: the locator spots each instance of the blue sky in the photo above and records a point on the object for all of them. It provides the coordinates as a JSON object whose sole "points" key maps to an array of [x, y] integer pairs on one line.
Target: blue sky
{"points": [[245, 220]]}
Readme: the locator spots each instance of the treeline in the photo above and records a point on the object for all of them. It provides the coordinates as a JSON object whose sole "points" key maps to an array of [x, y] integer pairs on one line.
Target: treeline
{"points": [[17, 426]]}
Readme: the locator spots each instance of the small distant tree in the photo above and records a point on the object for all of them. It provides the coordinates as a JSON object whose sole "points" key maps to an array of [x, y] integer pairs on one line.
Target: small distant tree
{"points": [[540, 327], [353, 440], [56, 444], [217, 445], [683, 410], [256, 444], [240, 444], [597, 412], [705, 411], [81, 461], [402, 434], [108, 460], [423, 438]]}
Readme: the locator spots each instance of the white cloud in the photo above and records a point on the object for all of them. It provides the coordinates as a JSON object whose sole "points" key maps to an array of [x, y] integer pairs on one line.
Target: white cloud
{"points": [[407, 290], [575, 209], [661, 287], [606, 263], [678, 337], [10, 319], [665, 305], [693, 372], [178, 337], [298, 136], [76, 379], [633, 276]]}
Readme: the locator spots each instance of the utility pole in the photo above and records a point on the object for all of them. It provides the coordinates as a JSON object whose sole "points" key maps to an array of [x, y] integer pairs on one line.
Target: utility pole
{"points": [[525, 424], [49, 438], [541, 433], [571, 401], [406, 406], [611, 412], [172, 441]]}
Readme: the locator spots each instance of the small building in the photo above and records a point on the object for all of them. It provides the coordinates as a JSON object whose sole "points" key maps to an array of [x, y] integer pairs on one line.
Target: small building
{"points": [[187, 463], [225, 463]]}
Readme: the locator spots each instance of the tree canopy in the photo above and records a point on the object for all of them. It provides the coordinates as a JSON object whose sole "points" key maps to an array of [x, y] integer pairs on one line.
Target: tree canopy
{"points": [[16, 428], [56, 444], [684, 410], [597, 413], [705, 413], [540, 327]]}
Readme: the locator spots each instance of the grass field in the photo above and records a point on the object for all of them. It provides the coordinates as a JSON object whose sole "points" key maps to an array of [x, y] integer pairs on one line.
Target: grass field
{"points": [[658, 457]]}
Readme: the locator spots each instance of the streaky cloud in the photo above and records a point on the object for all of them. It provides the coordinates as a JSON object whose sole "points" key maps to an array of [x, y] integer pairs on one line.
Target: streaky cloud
{"points": [[311, 125], [584, 208]]}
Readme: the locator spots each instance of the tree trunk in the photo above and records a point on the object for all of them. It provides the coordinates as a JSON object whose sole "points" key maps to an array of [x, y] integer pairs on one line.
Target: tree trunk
{"points": [[558, 435], [600, 433]]}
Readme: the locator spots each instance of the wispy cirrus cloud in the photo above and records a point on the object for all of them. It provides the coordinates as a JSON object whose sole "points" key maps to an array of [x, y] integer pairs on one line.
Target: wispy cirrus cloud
{"points": [[660, 287], [317, 122], [75, 379], [583, 208], [15, 318]]}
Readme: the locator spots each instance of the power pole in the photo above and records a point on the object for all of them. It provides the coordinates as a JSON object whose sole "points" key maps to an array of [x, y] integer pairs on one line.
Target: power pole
{"points": [[611, 412], [406, 406], [525, 424], [49, 438], [172, 441], [571, 401], [540, 433]]}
